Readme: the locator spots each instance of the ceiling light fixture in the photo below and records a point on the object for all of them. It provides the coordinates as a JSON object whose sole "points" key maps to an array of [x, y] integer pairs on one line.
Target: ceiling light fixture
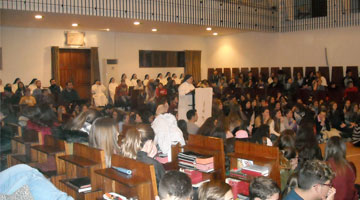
{"points": [[154, 30], [208, 28], [136, 23], [75, 25], [215, 34], [38, 16], [107, 29]]}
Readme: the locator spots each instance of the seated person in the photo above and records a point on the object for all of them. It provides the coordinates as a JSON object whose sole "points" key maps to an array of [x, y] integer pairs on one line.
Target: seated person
{"points": [[215, 190], [23, 182], [263, 188], [192, 117], [175, 185], [68, 95], [314, 182], [27, 99], [139, 144]]}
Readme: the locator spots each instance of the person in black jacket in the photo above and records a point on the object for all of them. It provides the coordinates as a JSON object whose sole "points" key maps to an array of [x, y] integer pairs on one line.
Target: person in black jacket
{"points": [[322, 123]]}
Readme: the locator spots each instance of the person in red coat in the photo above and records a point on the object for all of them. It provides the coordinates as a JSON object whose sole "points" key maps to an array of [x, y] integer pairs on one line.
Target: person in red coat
{"points": [[350, 89], [344, 181], [161, 91]]}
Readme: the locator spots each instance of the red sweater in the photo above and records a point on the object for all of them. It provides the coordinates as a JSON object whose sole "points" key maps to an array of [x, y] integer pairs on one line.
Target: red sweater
{"points": [[344, 182], [350, 90]]}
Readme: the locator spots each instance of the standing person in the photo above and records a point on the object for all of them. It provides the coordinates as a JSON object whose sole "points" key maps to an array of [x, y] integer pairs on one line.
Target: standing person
{"points": [[14, 86], [133, 80], [146, 79], [32, 85], [69, 95], [98, 91], [112, 89], [185, 100], [344, 181]]}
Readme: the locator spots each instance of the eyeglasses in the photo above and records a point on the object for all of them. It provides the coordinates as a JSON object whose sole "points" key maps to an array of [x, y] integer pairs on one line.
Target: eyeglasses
{"points": [[329, 185]]}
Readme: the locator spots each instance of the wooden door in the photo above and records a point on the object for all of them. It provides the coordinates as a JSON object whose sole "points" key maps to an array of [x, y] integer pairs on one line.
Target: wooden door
{"points": [[75, 66]]}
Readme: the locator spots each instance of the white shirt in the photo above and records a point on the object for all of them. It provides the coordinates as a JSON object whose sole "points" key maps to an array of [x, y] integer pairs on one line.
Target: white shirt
{"points": [[177, 81], [145, 82], [323, 81], [112, 88], [134, 82], [98, 92], [32, 87], [185, 88], [128, 83], [163, 81], [14, 87]]}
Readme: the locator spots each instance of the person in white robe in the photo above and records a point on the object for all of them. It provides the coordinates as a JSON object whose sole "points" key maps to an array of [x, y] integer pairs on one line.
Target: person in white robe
{"points": [[134, 80], [161, 79], [98, 91], [146, 79], [176, 79], [185, 101], [32, 85], [127, 81], [112, 88], [14, 86]]}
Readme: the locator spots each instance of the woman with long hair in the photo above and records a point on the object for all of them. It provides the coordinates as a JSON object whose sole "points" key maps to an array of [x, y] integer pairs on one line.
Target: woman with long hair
{"points": [[139, 144], [265, 119], [344, 181], [207, 127], [104, 135], [83, 121]]}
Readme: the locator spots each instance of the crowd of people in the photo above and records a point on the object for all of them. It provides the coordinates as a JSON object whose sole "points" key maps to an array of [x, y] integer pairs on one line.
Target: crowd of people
{"points": [[113, 122]]}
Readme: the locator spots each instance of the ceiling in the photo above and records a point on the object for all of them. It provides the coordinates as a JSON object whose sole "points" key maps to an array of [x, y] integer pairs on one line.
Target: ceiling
{"points": [[91, 23]]}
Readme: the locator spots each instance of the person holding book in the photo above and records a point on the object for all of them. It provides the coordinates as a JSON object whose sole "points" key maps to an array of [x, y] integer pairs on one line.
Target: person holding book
{"points": [[139, 144], [175, 185], [314, 182], [263, 188], [218, 190]]}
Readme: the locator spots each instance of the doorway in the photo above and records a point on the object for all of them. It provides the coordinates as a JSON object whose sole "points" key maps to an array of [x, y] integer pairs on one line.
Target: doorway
{"points": [[75, 66], [81, 66]]}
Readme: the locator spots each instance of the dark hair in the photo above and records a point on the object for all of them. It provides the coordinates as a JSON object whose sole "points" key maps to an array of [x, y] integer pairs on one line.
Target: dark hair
{"points": [[158, 75], [42, 115], [111, 79], [285, 141], [175, 184], [183, 127], [51, 80], [190, 114], [67, 83], [16, 80], [260, 132], [146, 75], [263, 188], [132, 76], [207, 127], [122, 76], [336, 149], [33, 81], [314, 172]]}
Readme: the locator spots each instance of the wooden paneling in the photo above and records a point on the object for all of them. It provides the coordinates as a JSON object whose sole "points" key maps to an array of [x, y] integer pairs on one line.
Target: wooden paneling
{"points": [[150, 58], [210, 72], [309, 69], [244, 71], [219, 70], [355, 72], [274, 70], [296, 70], [227, 73], [75, 66], [265, 72], [255, 72], [236, 71], [287, 71], [325, 72], [193, 64], [337, 75]]}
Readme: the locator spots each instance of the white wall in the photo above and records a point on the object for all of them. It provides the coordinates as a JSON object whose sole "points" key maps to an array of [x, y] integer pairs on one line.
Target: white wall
{"points": [[27, 51], [303, 48]]}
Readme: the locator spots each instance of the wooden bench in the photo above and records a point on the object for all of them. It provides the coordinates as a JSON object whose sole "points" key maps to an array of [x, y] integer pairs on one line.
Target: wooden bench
{"points": [[50, 152], [209, 146], [15, 128], [260, 154], [352, 155], [142, 182], [83, 163], [20, 147]]}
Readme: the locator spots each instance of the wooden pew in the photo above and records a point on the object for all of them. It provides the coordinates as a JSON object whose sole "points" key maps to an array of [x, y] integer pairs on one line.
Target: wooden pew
{"points": [[15, 128], [174, 164], [50, 152], [20, 147], [142, 182], [209, 146], [83, 163], [260, 155], [352, 155]]}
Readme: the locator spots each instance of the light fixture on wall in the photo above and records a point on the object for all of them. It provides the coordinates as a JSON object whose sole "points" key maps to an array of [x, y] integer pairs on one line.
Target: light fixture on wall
{"points": [[215, 34], [74, 25], [136, 23], [154, 30], [38, 16], [208, 28]]}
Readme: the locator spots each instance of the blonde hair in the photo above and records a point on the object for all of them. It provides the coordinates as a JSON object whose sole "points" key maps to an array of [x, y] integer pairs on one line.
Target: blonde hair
{"points": [[135, 139], [213, 190], [104, 135], [78, 122]]}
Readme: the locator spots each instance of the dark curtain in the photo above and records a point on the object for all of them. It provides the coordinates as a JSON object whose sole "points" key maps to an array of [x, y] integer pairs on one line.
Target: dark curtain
{"points": [[193, 64], [95, 70], [55, 69]]}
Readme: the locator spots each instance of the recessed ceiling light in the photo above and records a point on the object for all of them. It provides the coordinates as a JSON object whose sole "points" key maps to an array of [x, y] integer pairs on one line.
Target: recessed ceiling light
{"points": [[215, 34], [136, 23], [107, 29], [208, 28], [154, 30], [38, 16], [75, 25]]}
